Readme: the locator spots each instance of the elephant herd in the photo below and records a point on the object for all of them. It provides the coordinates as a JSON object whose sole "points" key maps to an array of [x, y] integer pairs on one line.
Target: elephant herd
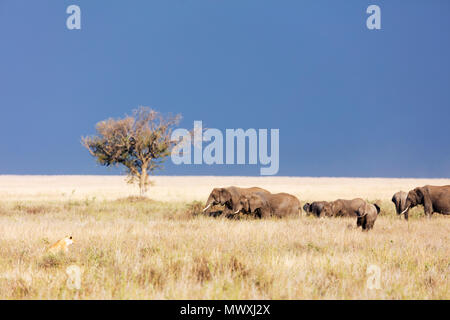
{"points": [[263, 204], [366, 213], [254, 200]]}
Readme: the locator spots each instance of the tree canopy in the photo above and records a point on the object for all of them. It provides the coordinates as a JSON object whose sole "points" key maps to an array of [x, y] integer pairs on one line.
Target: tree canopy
{"points": [[140, 142]]}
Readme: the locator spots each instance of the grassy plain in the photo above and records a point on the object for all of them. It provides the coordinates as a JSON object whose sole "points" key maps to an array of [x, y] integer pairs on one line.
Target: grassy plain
{"points": [[161, 248]]}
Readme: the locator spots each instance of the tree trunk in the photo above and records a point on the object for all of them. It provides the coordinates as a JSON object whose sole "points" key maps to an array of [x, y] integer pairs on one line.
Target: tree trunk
{"points": [[143, 180]]}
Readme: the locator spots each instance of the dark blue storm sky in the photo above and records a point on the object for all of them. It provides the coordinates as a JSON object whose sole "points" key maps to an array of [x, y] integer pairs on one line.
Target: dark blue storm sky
{"points": [[348, 101]]}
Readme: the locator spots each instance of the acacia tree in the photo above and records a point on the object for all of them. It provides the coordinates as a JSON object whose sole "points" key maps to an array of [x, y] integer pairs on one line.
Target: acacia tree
{"points": [[140, 142]]}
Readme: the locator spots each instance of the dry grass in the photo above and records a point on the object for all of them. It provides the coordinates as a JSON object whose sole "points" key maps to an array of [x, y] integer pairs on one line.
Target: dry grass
{"points": [[163, 249]]}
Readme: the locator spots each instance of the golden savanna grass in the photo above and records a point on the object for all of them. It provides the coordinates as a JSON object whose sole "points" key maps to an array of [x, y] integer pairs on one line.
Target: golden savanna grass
{"points": [[162, 248]]}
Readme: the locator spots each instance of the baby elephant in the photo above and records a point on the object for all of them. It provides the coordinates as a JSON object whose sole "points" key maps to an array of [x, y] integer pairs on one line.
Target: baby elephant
{"points": [[367, 214]]}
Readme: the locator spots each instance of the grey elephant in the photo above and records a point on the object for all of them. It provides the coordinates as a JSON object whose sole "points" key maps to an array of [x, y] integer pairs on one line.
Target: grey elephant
{"points": [[266, 205], [315, 208], [367, 215], [229, 197], [399, 199], [433, 198], [343, 208]]}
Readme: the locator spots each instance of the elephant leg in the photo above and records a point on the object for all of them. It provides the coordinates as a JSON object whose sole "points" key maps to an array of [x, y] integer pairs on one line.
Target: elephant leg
{"points": [[365, 226], [227, 212], [264, 212], [359, 222], [428, 206], [232, 216], [215, 214]]}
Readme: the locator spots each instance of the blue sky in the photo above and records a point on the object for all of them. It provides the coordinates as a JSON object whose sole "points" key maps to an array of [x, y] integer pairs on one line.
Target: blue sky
{"points": [[348, 101]]}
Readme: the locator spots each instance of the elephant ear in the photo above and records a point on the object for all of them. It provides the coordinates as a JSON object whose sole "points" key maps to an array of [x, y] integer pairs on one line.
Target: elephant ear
{"points": [[256, 202], [334, 207], [245, 203], [224, 195], [377, 207], [420, 194], [306, 207]]}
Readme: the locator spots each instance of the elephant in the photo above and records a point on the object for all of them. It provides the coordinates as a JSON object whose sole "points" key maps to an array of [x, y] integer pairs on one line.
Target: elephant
{"points": [[399, 199], [315, 208], [433, 198], [367, 214], [229, 197], [266, 205], [343, 208]]}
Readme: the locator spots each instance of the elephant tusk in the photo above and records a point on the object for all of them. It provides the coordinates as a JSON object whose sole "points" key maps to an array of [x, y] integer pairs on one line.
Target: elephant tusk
{"points": [[237, 212], [405, 210], [207, 207]]}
